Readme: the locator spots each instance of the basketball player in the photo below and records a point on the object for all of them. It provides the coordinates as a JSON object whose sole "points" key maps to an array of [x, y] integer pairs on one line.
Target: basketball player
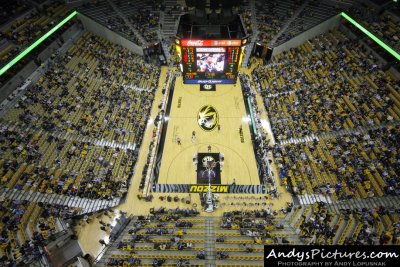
{"points": [[178, 141], [193, 136], [209, 148]]}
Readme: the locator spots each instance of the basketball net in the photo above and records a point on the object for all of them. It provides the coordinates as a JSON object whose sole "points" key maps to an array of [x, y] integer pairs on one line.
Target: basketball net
{"points": [[210, 165]]}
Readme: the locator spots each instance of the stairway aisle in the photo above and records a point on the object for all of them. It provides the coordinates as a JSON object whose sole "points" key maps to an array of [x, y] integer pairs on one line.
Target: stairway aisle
{"points": [[86, 205], [69, 136], [169, 23], [108, 251], [250, 45], [127, 22], [336, 134], [288, 22], [209, 244], [375, 202]]}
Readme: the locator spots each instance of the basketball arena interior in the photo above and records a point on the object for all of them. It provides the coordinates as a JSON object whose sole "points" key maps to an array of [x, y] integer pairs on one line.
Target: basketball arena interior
{"points": [[194, 133]]}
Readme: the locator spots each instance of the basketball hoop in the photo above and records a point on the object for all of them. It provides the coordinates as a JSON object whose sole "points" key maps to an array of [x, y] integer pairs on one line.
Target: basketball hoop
{"points": [[209, 166]]}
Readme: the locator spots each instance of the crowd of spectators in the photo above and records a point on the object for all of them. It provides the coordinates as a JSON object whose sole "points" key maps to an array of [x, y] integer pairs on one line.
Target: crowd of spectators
{"points": [[255, 224], [177, 236], [334, 112], [357, 165], [26, 227], [87, 99], [11, 9], [102, 92], [157, 126], [383, 24], [272, 15], [360, 226], [49, 164], [8, 52], [305, 93], [314, 12], [247, 19], [23, 31], [102, 12], [143, 16], [164, 230], [102, 103], [117, 24], [146, 23], [261, 141]]}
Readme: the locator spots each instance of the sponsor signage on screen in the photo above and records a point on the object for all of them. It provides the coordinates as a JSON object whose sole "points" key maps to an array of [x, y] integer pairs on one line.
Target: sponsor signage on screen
{"points": [[211, 42], [218, 81]]}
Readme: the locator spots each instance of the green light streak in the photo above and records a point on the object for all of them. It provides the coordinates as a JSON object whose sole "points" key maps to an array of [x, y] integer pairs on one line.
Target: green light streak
{"points": [[36, 43], [59, 25], [370, 35]]}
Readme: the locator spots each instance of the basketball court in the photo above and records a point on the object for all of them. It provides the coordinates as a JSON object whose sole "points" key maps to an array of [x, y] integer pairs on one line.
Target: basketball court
{"points": [[176, 166], [202, 111]]}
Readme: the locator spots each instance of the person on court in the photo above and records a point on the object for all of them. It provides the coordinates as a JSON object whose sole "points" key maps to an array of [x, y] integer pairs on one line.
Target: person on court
{"points": [[178, 141], [193, 136], [209, 148], [219, 127]]}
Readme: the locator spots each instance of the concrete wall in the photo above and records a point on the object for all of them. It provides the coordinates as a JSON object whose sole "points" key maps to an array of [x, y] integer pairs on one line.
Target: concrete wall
{"points": [[395, 73], [52, 48], [98, 29], [14, 82], [71, 31], [331, 23]]}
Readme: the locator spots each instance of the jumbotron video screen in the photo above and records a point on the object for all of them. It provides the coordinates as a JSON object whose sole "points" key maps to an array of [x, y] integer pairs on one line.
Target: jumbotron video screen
{"points": [[210, 61]]}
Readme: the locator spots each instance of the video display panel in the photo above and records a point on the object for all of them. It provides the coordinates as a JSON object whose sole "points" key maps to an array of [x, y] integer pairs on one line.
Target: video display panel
{"points": [[210, 61]]}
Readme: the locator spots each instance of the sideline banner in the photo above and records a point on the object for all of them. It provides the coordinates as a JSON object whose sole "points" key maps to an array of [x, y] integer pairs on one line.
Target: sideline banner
{"points": [[215, 188]]}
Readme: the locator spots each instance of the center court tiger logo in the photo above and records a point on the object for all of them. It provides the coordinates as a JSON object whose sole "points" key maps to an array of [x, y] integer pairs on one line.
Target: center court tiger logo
{"points": [[207, 118]]}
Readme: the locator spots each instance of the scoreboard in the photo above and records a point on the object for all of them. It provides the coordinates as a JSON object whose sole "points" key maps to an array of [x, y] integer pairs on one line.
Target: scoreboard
{"points": [[210, 61]]}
